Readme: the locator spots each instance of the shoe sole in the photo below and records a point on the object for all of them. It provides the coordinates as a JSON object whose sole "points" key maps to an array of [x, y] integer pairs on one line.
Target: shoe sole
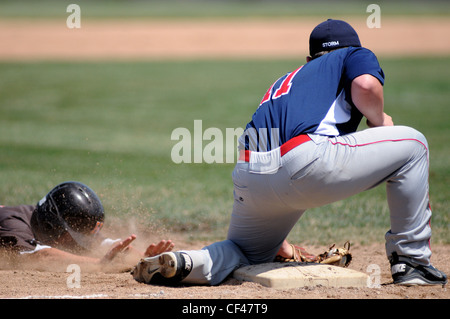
{"points": [[165, 264], [418, 281]]}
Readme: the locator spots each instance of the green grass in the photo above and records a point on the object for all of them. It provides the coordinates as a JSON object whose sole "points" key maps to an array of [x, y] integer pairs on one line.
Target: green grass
{"points": [[109, 125], [216, 9]]}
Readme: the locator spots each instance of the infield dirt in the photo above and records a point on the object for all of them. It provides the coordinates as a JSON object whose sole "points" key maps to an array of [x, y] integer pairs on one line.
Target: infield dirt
{"points": [[208, 39], [115, 281]]}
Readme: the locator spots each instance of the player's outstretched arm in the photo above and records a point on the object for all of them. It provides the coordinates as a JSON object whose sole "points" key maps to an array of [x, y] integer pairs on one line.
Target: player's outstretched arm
{"points": [[54, 256]]}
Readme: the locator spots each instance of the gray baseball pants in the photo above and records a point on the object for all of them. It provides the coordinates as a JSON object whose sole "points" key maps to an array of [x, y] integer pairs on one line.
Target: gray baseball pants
{"points": [[269, 200]]}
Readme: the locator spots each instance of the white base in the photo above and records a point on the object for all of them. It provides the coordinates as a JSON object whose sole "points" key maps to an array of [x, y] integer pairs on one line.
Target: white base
{"points": [[297, 275]]}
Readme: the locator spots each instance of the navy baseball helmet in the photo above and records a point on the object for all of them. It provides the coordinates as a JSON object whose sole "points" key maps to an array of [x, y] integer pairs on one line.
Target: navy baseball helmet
{"points": [[332, 34], [70, 208]]}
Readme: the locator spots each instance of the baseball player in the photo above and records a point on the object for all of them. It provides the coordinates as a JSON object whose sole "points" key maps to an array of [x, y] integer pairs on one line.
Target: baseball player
{"points": [[301, 150], [64, 227]]}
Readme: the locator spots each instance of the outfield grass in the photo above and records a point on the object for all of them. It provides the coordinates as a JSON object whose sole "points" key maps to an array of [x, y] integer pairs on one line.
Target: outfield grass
{"points": [[109, 125]]}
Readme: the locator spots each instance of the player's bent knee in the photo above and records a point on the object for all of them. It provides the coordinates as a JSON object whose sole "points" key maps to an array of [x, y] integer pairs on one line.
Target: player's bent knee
{"points": [[410, 133]]}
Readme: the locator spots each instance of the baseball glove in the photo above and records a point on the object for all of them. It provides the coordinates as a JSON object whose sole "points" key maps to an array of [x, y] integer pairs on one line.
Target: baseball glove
{"points": [[336, 256]]}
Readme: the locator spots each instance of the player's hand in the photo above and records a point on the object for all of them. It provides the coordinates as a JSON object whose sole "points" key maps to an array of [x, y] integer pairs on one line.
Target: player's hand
{"points": [[118, 248], [159, 248], [386, 121]]}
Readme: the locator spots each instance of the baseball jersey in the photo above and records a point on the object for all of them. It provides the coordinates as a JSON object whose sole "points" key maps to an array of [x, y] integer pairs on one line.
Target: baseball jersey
{"points": [[315, 98], [15, 229]]}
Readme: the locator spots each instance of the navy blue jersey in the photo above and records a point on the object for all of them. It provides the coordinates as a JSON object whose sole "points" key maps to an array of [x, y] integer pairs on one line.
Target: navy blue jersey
{"points": [[315, 98]]}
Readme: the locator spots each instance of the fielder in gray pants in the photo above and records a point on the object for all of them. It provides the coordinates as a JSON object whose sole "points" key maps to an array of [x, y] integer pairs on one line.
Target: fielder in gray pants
{"points": [[302, 150]]}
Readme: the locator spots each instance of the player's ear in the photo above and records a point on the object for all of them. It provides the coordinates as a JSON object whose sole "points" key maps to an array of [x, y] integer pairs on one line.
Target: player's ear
{"points": [[308, 58]]}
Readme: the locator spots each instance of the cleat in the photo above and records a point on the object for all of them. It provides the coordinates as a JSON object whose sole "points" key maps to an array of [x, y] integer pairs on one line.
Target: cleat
{"points": [[169, 268], [405, 274]]}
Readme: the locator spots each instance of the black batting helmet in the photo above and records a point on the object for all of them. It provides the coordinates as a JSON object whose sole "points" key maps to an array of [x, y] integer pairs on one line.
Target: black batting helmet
{"points": [[70, 207]]}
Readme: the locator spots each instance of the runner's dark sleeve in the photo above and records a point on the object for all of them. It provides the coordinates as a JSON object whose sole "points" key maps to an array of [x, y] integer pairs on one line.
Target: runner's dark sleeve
{"points": [[15, 229]]}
